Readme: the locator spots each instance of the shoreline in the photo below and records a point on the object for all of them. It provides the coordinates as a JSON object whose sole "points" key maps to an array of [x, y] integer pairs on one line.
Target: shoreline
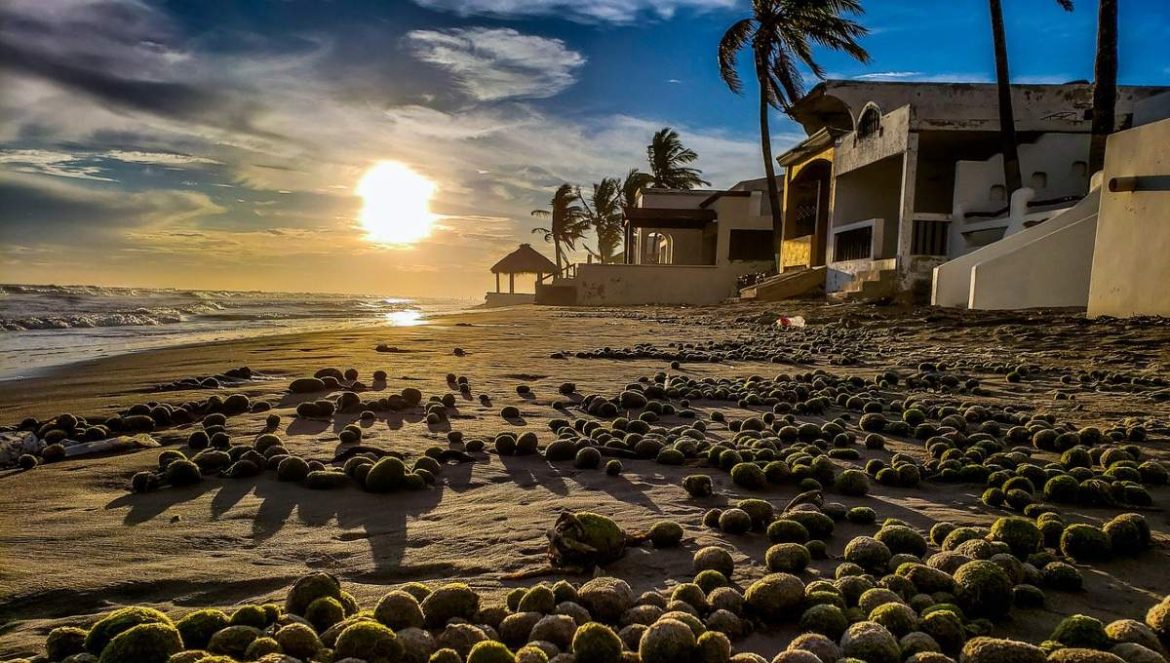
{"points": [[228, 542]]}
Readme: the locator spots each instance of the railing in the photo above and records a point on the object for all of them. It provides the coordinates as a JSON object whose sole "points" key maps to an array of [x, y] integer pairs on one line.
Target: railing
{"points": [[567, 272], [930, 237], [853, 244]]}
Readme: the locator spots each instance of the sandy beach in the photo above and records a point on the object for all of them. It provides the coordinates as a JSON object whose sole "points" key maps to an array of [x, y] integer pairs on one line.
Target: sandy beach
{"points": [[74, 542]]}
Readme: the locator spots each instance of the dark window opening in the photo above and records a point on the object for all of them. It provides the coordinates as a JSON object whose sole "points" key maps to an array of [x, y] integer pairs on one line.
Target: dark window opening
{"points": [[750, 245], [870, 122]]}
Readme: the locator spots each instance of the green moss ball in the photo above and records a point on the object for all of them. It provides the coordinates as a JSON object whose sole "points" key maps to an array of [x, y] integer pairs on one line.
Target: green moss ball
{"points": [[666, 534], [735, 521], [774, 597], [453, 600], [1081, 631], [667, 641], [713, 558], [828, 620], [1084, 543], [983, 589], [299, 640], [369, 641], [123, 619], [596, 643], [399, 610], [144, 643], [1020, 534], [787, 558], [870, 642], [64, 641], [868, 553]]}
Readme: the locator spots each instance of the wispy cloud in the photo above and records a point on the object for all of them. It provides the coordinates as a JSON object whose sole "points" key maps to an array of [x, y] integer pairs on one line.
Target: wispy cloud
{"points": [[593, 11], [490, 64]]}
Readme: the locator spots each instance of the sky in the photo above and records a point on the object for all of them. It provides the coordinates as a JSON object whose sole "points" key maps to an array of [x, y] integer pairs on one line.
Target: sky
{"points": [[219, 145]]}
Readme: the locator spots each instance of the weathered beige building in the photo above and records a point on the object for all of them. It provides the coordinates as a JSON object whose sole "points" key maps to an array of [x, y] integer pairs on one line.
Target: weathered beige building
{"points": [[896, 179], [682, 247]]}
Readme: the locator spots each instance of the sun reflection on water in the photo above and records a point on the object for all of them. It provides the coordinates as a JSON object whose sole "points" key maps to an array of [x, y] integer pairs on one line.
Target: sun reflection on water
{"points": [[409, 317]]}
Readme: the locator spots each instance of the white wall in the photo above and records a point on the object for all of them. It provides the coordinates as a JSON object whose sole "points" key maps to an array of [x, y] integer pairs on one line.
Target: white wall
{"points": [[1131, 266], [1050, 271], [952, 280], [1053, 154]]}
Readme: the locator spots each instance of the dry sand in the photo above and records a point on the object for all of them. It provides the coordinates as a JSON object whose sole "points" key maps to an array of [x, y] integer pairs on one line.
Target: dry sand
{"points": [[75, 543]]}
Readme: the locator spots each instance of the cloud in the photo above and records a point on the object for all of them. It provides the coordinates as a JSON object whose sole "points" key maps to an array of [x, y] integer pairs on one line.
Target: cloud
{"points": [[169, 159], [55, 211], [619, 12], [888, 75], [490, 64], [51, 162]]}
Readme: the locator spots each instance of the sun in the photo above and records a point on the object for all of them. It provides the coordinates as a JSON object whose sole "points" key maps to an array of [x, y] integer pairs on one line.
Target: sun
{"points": [[396, 204]]}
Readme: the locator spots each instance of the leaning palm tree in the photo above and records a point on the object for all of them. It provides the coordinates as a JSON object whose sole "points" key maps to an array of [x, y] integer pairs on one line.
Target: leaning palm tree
{"points": [[668, 162], [634, 182], [781, 35], [567, 222], [1012, 178], [604, 211], [1104, 83]]}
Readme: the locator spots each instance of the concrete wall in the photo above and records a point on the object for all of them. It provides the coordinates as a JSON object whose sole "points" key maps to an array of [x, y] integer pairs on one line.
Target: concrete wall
{"points": [[1131, 266], [855, 152], [1151, 110], [739, 213], [965, 106], [1055, 155], [953, 279], [672, 199], [1050, 271], [632, 285], [871, 192]]}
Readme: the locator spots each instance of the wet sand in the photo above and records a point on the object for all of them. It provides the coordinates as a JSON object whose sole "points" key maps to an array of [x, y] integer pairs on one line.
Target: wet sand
{"points": [[74, 542]]}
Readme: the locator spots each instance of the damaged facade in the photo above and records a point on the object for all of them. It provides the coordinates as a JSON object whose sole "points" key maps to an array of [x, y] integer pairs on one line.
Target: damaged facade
{"points": [[898, 178]]}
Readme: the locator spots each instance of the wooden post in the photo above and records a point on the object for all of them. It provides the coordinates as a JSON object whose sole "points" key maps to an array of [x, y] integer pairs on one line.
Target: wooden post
{"points": [[511, 283], [497, 283]]}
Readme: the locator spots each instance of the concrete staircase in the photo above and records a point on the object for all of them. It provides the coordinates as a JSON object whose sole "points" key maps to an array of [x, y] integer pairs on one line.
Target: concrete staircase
{"points": [[797, 283], [869, 285]]}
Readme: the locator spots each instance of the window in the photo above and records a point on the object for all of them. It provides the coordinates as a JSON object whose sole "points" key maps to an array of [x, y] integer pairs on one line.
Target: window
{"points": [[997, 194], [1039, 180], [750, 245], [870, 122], [1080, 169]]}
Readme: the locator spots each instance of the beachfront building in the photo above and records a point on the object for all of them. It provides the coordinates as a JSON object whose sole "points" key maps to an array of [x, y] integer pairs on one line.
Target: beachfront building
{"points": [[681, 247], [896, 179], [524, 260]]}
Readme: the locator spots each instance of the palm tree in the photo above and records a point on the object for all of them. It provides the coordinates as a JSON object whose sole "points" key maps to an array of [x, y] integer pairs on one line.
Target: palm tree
{"points": [[1012, 178], [568, 222], [781, 34], [1104, 83], [604, 211], [634, 182], [668, 162]]}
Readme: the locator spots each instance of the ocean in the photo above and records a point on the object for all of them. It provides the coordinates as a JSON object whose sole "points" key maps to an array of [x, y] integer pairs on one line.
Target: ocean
{"points": [[45, 326]]}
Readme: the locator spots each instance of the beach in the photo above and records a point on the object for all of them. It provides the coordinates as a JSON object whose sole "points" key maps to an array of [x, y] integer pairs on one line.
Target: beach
{"points": [[74, 542]]}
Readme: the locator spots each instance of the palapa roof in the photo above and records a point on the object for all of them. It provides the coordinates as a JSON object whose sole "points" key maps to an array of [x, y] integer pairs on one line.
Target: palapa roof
{"points": [[524, 260]]}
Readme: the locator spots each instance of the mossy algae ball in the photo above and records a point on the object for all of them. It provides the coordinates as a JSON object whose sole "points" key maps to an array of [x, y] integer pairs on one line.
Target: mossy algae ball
{"points": [[144, 643], [370, 641]]}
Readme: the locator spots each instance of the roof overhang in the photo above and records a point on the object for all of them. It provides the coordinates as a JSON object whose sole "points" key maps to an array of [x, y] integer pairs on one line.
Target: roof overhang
{"points": [[814, 144], [655, 217], [720, 194]]}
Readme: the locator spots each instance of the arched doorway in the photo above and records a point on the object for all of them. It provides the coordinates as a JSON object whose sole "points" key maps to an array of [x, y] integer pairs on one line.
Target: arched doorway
{"points": [[659, 249], [807, 213]]}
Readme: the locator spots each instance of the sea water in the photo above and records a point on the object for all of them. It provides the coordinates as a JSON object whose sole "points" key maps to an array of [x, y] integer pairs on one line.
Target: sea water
{"points": [[43, 326]]}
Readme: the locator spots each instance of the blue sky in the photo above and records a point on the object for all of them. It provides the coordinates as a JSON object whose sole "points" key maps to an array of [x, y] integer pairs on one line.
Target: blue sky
{"points": [[217, 145]]}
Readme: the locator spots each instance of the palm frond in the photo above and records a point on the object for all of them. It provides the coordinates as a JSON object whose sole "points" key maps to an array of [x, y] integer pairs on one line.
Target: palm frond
{"points": [[729, 46]]}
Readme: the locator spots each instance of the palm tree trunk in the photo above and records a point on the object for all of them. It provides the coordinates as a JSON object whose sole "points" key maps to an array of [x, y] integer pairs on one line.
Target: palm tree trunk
{"points": [[557, 250], [1104, 83], [1007, 120], [769, 168]]}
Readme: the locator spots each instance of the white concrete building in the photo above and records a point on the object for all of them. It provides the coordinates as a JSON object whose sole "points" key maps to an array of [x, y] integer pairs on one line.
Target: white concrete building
{"points": [[682, 247], [896, 179]]}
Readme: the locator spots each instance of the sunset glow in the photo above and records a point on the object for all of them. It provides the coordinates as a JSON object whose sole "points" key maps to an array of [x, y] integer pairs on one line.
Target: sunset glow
{"points": [[396, 204]]}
